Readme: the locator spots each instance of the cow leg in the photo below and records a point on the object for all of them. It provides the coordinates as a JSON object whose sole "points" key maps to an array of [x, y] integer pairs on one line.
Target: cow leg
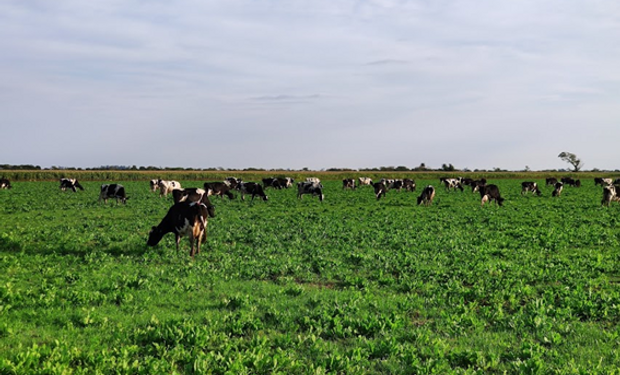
{"points": [[177, 237], [484, 200]]}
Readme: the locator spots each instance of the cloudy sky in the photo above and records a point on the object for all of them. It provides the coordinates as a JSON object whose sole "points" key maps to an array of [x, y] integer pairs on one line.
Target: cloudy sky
{"points": [[316, 84]]}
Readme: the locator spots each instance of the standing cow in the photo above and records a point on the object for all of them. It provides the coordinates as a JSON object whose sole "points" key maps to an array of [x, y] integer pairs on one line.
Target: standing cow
{"points": [[610, 194], [427, 196], [166, 187], [251, 188], [557, 191], [315, 189], [184, 219], [490, 193], [529, 186], [380, 189], [70, 183], [115, 191], [5, 183]]}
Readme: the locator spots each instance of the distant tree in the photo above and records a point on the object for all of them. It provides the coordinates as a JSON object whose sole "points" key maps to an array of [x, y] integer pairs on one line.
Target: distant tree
{"points": [[447, 167], [572, 160]]}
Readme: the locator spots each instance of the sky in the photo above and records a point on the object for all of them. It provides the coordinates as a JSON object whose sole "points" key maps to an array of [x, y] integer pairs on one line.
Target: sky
{"points": [[292, 84]]}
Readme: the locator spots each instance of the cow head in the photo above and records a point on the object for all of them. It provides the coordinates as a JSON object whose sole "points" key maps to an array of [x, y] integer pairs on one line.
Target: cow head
{"points": [[155, 235]]}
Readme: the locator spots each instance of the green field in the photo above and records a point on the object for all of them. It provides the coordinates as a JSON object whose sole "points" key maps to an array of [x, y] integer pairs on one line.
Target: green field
{"points": [[351, 285]]}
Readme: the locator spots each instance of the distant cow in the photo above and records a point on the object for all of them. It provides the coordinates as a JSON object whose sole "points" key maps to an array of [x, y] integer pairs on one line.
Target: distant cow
{"points": [[232, 182], [557, 189], [251, 188], [315, 189], [427, 196], [364, 181], [490, 193], [609, 195], [451, 183], [551, 181], [380, 189], [409, 184], [571, 182], [530, 187], [189, 195], [603, 181], [271, 182], [154, 185], [184, 219], [348, 183], [219, 189], [115, 191], [70, 183], [166, 187], [285, 182], [5, 183]]}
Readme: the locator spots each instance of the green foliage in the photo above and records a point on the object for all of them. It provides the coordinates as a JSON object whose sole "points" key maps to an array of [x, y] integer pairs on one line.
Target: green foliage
{"points": [[348, 285]]}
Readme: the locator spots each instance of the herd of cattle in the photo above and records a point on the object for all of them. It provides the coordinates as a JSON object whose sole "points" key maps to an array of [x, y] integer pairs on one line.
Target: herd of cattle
{"points": [[189, 214]]}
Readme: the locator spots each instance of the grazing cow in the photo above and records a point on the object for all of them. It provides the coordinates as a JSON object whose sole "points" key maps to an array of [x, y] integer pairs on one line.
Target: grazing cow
{"points": [[551, 181], [409, 184], [232, 182], [219, 189], [271, 182], [530, 187], [5, 183], [115, 191], [365, 181], [477, 185], [154, 184], [314, 180], [380, 189], [396, 184], [427, 196], [184, 219], [571, 182], [189, 195], [166, 187], [70, 183], [490, 193], [285, 182], [251, 188], [348, 183], [451, 183], [557, 189], [610, 194], [603, 181], [315, 189]]}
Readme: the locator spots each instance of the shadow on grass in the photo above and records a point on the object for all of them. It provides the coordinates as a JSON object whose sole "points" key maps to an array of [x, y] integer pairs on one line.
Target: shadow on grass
{"points": [[9, 246]]}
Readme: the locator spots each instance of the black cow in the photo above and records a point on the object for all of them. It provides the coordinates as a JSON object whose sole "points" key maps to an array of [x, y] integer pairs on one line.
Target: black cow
{"points": [[603, 181], [409, 184], [380, 189], [427, 196], [348, 183], [551, 181], [490, 193], [218, 189], [529, 186], [557, 189], [571, 182], [70, 183], [477, 185], [115, 191], [190, 195], [233, 182], [285, 182], [5, 183], [184, 219], [251, 188], [313, 188], [271, 182]]}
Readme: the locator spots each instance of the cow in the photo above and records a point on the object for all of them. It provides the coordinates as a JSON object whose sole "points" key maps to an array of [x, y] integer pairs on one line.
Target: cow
{"points": [[271, 182], [490, 193], [551, 181], [409, 184], [365, 181], [251, 188], [314, 180], [427, 196], [184, 219], [5, 183], [380, 189], [154, 185], [451, 183], [610, 194], [70, 183], [219, 189], [617, 181], [315, 189], [232, 182], [396, 184], [285, 182], [571, 182], [166, 187], [529, 186], [115, 191], [348, 183], [557, 189], [190, 195], [476, 185], [603, 181]]}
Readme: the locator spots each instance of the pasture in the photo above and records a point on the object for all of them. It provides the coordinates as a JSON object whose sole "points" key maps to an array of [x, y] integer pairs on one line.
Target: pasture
{"points": [[350, 285]]}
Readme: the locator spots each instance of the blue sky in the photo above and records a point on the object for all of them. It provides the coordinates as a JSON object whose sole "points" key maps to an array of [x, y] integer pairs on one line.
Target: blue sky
{"points": [[316, 84]]}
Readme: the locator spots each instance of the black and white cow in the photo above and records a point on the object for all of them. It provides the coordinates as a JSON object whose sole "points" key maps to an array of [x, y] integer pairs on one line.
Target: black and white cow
{"points": [[348, 183], [476, 185], [285, 182], [551, 181], [380, 189], [189, 195], [233, 182], [364, 181], [109, 191], [610, 194], [5, 183], [313, 180], [166, 187], [184, 219], [571, 182], [529, 186], [603, 181], [219, 189], [490, 193], [70, 183], [557, 189], [154, 185], [427, 196], [409, 184], [251, 188], [271, 182], [451, 183], [315, 189]]}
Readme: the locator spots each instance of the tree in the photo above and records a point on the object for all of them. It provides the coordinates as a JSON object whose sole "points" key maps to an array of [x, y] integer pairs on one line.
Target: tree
{"points": [[572, 159]]}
